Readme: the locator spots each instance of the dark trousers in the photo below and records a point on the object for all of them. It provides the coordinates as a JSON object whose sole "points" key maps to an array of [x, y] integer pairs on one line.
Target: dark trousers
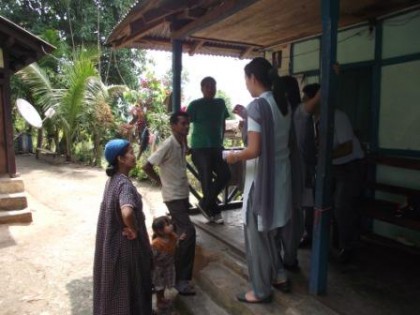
{"points": [[309, 221], [144, 139], [185, 252], [214, 175], [347, 180]]}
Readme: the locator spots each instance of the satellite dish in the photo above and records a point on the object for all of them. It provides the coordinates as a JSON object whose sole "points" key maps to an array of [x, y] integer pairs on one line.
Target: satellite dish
{"points": [[29, 113]]}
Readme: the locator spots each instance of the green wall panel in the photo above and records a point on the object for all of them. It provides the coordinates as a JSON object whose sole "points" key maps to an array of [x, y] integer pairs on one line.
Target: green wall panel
{"points": [[306, 55], [397, 233], [398, 176], [403, 178], [401, 35], [399, 117], [356, 45]]}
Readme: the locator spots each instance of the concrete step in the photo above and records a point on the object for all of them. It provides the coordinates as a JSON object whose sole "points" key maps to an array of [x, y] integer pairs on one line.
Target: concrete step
{"points": [[199, 304], [11, 185], [221, 272], [13, 201], [223, 285], [16, 216]]}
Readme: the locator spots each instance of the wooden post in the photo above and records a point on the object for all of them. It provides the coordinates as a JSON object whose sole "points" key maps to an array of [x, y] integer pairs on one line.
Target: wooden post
{"points": [[323, 193], [7, 132], [176, 74]]}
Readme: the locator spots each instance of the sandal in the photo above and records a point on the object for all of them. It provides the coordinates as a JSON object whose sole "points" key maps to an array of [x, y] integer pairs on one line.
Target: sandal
{"points": [[282, 286], [242, 298]]}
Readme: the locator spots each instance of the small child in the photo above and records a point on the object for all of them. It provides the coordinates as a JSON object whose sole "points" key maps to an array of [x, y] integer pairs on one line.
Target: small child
{"points": [[164, 242]]}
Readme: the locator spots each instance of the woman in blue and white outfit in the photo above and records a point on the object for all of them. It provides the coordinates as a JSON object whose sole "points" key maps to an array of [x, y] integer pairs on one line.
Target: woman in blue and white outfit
{"points": [[267, 204]]}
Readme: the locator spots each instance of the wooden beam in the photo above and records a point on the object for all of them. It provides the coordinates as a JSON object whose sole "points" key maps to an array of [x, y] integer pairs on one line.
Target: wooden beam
{"points": [[24, 38], [141, 32], [149, 11], [207, 49], [196, 46], [226, 9], [245, 52], [119, 43], [10, 41], [164, 7], [151, 19], [227, 43]]}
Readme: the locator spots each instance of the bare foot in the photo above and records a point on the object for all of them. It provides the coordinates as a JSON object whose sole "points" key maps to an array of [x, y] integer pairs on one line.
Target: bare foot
{"points": [[250, 296]]}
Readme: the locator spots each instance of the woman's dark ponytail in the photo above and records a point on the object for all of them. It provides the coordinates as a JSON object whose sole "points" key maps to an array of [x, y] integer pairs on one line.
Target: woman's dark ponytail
{"points": [[279, 91], [111, 170]]}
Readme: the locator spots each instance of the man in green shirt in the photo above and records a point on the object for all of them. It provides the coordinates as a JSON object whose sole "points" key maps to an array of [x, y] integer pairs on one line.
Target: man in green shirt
{"points": [[208, 115]]}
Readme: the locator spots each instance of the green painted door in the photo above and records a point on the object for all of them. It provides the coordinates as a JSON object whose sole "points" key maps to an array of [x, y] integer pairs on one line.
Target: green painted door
{"points": [[355, 99]]}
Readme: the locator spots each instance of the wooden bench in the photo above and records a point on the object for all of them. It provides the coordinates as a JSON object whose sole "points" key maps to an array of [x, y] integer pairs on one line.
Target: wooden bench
{"points": [[385, 210]]}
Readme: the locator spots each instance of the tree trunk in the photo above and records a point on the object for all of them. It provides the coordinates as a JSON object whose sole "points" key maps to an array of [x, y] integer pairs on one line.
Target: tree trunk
{"points": [[39, 142], [97, 149], [68, 147]]}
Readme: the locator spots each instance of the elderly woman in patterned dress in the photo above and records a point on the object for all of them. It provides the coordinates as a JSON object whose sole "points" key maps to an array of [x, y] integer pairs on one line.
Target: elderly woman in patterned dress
{"points": [[123, 258]]}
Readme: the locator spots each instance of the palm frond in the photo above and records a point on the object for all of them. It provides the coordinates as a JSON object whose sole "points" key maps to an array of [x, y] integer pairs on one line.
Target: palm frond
{"points": [[40, 85]]}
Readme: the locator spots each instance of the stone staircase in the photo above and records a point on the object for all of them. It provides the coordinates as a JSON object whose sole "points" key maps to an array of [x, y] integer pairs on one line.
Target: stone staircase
{"points": [[13, 202], [221, 274]]}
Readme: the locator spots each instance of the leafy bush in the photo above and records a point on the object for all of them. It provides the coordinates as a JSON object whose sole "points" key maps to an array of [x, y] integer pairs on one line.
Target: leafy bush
{"points": [[137, 172], [83, 152]]}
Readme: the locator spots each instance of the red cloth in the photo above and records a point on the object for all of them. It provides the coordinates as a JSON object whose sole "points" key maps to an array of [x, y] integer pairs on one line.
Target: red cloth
{"points": [[167, 246]]}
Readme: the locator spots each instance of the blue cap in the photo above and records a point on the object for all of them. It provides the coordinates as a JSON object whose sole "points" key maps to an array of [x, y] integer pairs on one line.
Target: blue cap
{"points": [[114, 148]]}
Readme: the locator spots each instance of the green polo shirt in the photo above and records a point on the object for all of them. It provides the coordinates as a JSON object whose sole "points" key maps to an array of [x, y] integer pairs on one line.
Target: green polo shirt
{"points": [[208, 118]]}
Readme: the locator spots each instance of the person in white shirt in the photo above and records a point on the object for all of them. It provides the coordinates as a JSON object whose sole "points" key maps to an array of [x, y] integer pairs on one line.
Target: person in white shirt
{"points": [[347, 175], [170, 157]]}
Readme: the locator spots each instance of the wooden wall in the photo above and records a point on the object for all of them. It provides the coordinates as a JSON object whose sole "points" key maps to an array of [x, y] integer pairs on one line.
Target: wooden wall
{"points": [[3, 164]]}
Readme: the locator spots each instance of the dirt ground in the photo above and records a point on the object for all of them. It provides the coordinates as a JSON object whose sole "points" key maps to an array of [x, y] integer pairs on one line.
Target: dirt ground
{"points": [[46, 266]]}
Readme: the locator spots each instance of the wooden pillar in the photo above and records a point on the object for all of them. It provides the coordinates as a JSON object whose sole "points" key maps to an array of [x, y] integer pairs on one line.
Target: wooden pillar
{"points": [[176, 74], [3, 156], [6, 132], [323, 194]]}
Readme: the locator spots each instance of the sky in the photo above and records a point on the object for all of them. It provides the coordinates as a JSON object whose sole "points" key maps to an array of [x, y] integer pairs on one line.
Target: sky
{"points": [[228, 73]]}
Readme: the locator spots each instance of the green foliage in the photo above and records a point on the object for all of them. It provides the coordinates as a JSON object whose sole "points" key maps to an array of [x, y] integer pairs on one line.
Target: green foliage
{"points": [[137, 172], [84, 85], [151, 94], [80, 102], [83, 151], [79, 23], [222, 94], [72, 105]]}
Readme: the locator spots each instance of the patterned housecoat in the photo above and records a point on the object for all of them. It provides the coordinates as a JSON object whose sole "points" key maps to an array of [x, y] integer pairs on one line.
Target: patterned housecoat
{"points": [[122, 268], [163, 257]]}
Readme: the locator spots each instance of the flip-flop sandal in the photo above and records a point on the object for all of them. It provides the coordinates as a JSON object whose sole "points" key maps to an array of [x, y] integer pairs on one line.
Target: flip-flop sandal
{"points": [[242, 298]]}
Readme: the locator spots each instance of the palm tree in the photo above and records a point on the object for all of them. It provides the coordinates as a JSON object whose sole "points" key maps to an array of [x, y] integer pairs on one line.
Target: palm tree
{"points": [[80, 102], [41, 95]]}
